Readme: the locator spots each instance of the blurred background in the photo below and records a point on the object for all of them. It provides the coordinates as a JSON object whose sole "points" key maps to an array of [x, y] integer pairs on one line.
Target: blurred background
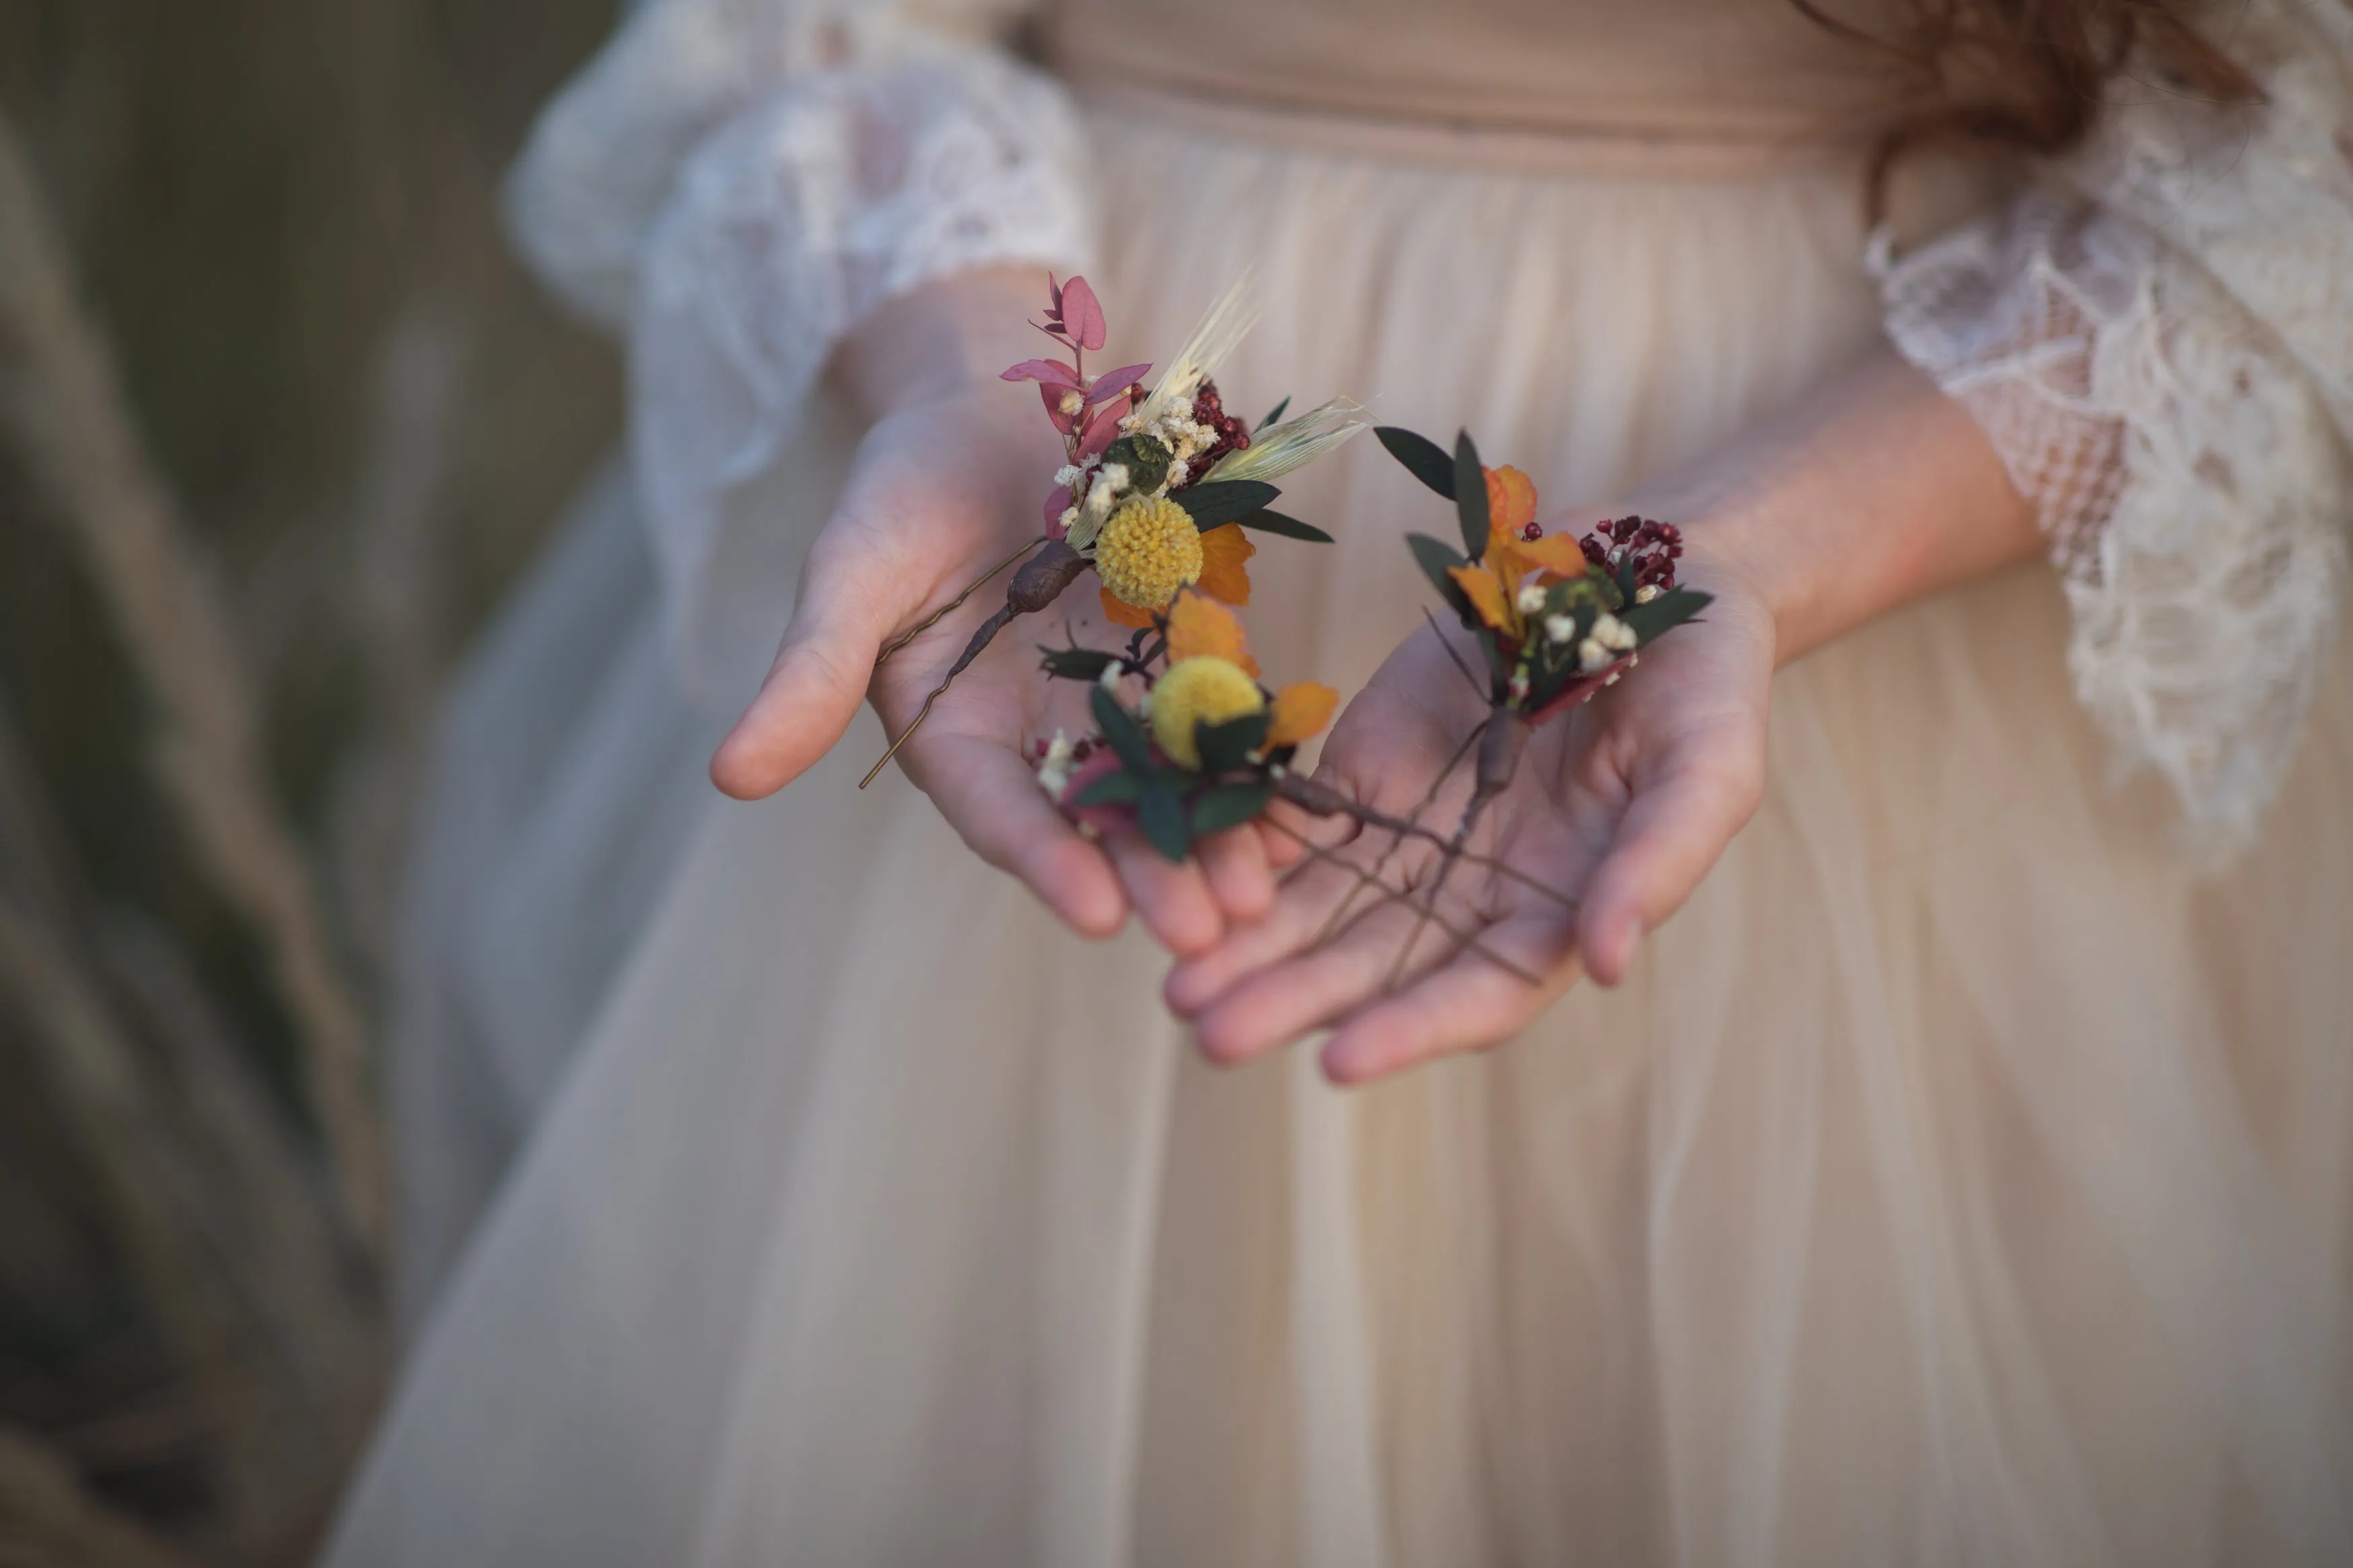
{"points": [[280, 419]]}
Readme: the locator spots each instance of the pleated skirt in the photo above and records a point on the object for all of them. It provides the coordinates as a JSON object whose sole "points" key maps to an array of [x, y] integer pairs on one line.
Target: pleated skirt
{"points": [[1958, 1178]]}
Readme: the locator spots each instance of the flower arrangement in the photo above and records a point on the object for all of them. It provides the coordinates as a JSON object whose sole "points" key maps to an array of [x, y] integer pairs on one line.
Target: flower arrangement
{"points": [[1207, 747], [1156, 487], [1555, 619]]}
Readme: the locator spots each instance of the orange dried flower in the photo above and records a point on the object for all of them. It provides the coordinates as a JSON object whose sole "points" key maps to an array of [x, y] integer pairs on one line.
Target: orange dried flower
{"points": [[1226, 550], [1510, 499], [1199, 627], [1493, 583], [1300, 710]]}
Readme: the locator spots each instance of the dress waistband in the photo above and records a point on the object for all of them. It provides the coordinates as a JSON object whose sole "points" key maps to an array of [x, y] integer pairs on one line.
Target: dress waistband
{"points": [[1602, 151]]}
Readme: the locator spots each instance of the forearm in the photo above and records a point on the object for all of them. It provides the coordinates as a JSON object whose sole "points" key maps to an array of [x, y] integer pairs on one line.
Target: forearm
{"points": [[941, 339], [1872, 490]]}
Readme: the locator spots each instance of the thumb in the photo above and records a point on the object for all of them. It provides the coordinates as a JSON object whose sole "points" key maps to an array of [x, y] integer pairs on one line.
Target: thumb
{"points": [[813, 689]]}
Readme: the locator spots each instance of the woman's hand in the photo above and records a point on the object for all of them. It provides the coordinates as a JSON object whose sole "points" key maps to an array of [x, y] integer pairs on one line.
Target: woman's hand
{"points": [[948, 483], [1622, 804], [1871, 491]]}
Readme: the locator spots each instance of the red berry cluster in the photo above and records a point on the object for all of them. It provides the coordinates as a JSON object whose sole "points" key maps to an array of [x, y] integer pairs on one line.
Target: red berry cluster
{"points": [[1233, 436], [1653, 547]]}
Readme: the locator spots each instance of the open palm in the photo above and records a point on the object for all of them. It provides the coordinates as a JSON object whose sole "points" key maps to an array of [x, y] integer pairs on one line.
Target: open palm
{"points": [[1615, 811], [940, 493]]}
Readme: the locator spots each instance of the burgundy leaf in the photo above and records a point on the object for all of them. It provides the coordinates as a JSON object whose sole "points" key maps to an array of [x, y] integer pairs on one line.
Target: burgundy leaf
{"points": [[1102, 430], [1068, 424], [1051, 371], [1082, 313], [1111, 383], [1058, 501]]}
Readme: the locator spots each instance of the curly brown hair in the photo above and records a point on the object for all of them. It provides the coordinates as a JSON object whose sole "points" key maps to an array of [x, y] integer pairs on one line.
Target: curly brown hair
{"points": [[2027, 75]]}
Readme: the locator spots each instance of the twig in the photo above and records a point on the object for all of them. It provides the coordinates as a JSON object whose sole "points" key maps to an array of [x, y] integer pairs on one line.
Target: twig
{"points": [[1469, 943], [1501, 741], [1320, 800], [59, 399], [1397, 840]]}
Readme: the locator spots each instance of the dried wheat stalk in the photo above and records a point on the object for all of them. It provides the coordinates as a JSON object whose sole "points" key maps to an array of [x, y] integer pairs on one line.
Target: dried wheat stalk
{"points": [[46, 1518], [60, 401]]}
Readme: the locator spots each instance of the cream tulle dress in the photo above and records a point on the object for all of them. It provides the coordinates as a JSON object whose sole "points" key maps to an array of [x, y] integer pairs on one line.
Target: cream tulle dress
{"points": [[1965, 1175]]}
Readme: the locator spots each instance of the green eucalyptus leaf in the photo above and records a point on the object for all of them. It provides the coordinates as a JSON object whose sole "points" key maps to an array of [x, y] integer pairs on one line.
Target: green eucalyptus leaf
{"points": [[1225, 747], [1424, 458], [1470, 495], [1670, 609], [1161, 815], [1111, 789], [1229, 805], [1076, 663], [1435, 558], [1273, 414], [1268, 521], [1215, 502], [1120, 727]]}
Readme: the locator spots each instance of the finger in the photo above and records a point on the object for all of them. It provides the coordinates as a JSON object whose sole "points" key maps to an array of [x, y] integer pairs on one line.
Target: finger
{"points": [[1282, 825], [1671, 834], [993, 802], [1468, 1003], [819, 678], [1307, 898], [1277, 1005], [1235, 864], [1172, 897]]}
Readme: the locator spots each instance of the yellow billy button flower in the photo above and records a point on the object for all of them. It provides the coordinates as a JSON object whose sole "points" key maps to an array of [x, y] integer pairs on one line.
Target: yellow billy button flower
{"points": [[1211, 679], [1204, 689], [1224, 573], [1147, 552]]}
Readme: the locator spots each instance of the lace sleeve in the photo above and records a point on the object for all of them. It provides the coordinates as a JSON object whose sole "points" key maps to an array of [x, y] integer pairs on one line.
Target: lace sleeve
{"points": [[2158, 335], [733, 185]]}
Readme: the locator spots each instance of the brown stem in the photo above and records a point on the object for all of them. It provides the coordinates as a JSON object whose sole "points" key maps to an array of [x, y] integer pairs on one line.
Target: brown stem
{"points": [[1322, 800], [928, 622], [1037, 584], [1500, 744], [1397, 840], [1366, 878]]}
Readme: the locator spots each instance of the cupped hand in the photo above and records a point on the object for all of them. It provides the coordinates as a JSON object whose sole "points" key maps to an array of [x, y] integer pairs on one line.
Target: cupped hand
{"points": [[941, 490], [1615, 811]]}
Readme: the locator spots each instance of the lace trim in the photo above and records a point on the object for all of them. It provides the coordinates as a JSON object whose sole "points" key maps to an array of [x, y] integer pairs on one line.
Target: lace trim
{"points": [[736, 184], [2158, 339]]}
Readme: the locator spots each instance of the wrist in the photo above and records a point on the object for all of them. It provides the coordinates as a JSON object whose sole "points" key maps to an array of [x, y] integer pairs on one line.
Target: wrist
{"points": [[939, 341], [1871, 491]]}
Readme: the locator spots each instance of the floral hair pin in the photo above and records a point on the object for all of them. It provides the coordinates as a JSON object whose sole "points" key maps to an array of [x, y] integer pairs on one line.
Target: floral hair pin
{"points": [[1210, 748], [1205, 749], [1556, 621], [1157, 488]]}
